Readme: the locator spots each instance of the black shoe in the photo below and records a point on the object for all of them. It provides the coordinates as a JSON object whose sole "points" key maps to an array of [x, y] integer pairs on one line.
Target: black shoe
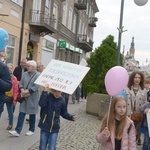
{"points": [[138, 142], [27, 120]]}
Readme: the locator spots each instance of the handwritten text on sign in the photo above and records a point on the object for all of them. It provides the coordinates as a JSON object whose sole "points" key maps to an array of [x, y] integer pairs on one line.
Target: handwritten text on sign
{"points": [[62, 76]]}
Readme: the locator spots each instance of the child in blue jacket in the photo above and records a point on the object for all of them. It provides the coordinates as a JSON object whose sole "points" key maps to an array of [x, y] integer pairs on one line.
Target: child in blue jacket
{"points": [[53, 105]]}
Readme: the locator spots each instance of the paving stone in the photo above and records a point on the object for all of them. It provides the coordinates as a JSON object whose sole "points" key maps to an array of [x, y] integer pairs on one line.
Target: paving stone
{"points": [[78, 135]]}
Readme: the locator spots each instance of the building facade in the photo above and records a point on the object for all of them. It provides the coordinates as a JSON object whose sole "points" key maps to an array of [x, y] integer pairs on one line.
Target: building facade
{"points": [[10, 20], [45, 29], [129, 60]]}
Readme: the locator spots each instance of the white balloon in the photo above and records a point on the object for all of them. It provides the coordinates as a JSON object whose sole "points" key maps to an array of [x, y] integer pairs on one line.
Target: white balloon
{"points": [[140, 2]]}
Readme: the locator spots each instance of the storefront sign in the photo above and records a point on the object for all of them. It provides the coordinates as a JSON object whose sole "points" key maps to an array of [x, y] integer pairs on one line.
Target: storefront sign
{"points": [[72, 48], [62, 44], [49, 44], [34, 38]]}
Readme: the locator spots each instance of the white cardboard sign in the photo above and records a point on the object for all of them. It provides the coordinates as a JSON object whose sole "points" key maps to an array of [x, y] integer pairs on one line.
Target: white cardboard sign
{"points": [[62, 76], [148, 121]]}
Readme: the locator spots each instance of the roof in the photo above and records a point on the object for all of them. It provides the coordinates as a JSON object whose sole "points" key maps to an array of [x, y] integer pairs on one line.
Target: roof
{"points": [[131, 64]]}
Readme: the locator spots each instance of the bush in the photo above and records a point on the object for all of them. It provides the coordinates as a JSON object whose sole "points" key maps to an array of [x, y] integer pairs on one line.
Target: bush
{"points": [[102, 59]]}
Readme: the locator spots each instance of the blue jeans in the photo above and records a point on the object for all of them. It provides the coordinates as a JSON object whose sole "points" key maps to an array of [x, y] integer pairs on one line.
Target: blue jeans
{"points": [[10, 112], [2, 102], [146, 143], [47, 138], [20, 122]]}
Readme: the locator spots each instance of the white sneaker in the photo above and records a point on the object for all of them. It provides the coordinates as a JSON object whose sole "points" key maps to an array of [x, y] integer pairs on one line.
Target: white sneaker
{"points": [[14, 133], [29, 133]]}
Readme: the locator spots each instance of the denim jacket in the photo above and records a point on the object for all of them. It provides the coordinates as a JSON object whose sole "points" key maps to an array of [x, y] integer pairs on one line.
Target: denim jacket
{"points": [[5, 84]]}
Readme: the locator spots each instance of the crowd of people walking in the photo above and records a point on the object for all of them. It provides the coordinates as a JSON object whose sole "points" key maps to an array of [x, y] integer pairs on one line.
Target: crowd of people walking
{"points": [[120, 129], [53, 103]]}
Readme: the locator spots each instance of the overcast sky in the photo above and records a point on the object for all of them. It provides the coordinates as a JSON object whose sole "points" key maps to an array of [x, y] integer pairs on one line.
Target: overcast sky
{"points": [[136, 19]]}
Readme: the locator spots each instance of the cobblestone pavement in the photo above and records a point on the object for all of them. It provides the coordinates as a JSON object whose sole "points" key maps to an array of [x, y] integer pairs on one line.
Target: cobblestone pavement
{"points": [[79, 135]]}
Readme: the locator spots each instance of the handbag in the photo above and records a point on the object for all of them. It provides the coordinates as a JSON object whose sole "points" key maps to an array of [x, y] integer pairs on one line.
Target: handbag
{"points": [[20, 98], [135, 115], [8, 99]]}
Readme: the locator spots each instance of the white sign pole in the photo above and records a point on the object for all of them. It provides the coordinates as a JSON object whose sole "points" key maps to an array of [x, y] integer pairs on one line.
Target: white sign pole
{"points": [[148, 121]]}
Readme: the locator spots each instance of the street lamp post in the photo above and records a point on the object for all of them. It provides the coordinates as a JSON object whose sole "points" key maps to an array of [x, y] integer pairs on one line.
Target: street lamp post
{"points": [[120, 32], [120, 29]]}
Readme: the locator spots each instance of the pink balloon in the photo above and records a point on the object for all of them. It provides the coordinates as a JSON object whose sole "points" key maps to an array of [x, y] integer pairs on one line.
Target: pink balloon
{"points": [[116, 80]]}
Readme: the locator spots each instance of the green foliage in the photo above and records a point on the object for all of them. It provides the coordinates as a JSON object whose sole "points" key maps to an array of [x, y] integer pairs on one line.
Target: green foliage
{"points": [[102, 59]]}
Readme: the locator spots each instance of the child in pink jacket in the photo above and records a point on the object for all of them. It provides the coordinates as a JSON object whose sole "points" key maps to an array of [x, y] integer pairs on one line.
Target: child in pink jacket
{"points": [[120, 133], [13, 93]]}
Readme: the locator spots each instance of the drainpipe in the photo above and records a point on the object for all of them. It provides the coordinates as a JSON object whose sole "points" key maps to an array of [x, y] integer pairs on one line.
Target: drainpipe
{"points": [[76, 34], [21, 32]]}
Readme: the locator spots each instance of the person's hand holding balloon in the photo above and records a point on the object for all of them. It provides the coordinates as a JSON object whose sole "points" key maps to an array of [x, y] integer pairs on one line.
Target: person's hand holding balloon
{"points": [[106, 132]]}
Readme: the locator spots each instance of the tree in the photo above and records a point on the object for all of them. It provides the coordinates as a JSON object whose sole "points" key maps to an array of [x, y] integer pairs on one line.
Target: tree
{"points": [[102, 59]]}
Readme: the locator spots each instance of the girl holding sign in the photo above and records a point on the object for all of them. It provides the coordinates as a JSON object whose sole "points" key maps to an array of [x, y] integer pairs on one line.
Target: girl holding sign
{"points": [[120, 132]]}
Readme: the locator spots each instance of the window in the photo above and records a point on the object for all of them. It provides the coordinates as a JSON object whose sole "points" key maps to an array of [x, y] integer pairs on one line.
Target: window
{"points": [[47, 6], [74, 23], [83, 26], [90, 12], [55, 17], [15, 13], [78, 59], [47, 12], [66, 54], [11, 41], [1, 5], [85, 30], [10, 49], [79, 31], [87, 8], [71, 57], [70, 18], [36, 5], [64, 13]]}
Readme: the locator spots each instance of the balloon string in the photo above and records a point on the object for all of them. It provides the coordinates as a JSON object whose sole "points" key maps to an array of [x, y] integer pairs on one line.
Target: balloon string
{"points": [[108, 114]]}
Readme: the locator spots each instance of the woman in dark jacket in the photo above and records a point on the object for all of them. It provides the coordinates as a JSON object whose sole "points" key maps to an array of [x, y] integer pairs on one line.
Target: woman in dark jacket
{"points": [[5, 84]]}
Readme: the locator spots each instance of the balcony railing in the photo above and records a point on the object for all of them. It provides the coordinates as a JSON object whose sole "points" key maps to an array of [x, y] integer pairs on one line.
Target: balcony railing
{"points": [[92, 21], [39, 17], [41, 21], [80, 4], [65, 31], [85, 43]]}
